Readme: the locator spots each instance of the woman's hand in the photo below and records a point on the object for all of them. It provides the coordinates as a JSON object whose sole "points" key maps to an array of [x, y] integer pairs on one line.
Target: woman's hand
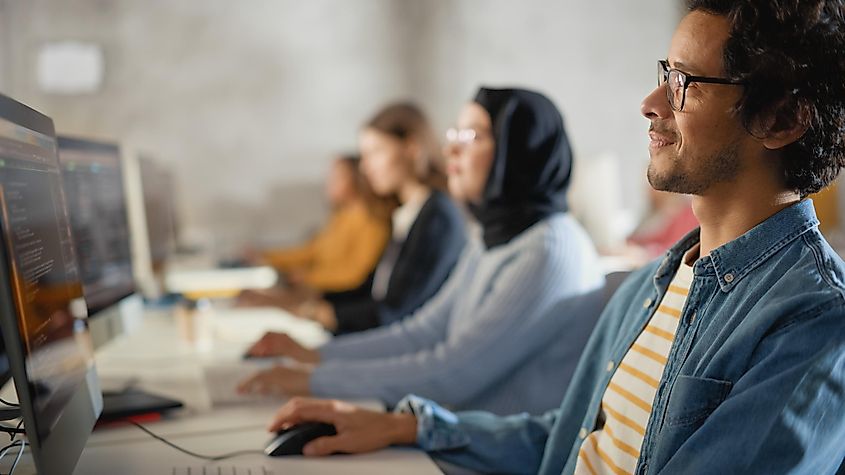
{"points": [[255, 298], [321, 312], [280, 344], [279, 381], [358, 430], [287, 299]]}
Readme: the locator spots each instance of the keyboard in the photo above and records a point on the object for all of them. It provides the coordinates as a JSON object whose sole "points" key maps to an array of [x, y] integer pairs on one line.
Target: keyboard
{"points": [[221, 382], [221, 470]]}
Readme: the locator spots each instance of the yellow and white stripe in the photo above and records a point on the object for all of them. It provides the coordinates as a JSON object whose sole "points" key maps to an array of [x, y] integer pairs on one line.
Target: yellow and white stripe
{"points": [[627, 402]]}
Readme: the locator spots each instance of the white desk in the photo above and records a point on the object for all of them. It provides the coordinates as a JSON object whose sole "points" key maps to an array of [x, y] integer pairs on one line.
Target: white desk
{"points": [[160, 361], [129, 451]]}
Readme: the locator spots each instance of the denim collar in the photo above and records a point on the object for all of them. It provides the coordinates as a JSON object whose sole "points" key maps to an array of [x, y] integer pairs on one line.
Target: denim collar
{"points": [[734, 260]]}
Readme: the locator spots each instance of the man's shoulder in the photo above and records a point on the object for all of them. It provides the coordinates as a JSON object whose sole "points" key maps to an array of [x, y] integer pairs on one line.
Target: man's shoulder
{"points": [[809, 268]]}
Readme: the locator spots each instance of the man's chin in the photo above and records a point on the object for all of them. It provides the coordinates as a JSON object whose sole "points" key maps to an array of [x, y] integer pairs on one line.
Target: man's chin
{"points": [[662, 181]]}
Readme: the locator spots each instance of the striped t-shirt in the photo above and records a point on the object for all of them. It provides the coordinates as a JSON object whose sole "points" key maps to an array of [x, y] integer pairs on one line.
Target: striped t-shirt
{"points": [[614, 448]]}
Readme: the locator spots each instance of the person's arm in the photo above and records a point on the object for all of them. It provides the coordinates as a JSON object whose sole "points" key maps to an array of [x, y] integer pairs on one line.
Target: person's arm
{"points": [[422, 330], [476, 440], [301, 257], [428, 257], [479, 440], [422, 271], [356, 315], [786, 414], [511, 322], [362, 238], [291, 258]]}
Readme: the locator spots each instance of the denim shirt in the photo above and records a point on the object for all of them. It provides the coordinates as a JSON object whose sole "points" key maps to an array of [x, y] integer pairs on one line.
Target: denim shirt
{"points": [[755, 381]]}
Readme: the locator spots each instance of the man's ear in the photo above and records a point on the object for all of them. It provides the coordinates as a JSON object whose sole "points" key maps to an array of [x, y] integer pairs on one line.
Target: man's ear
{"points": [[787, 123]]}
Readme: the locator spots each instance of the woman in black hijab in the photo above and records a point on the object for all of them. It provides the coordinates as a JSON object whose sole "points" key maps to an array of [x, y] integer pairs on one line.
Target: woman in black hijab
{"points": [[496, 331], [531, 168]]}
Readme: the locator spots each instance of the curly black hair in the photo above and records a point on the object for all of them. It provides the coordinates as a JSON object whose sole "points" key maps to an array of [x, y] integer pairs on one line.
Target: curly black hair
{"points": [[791, 56]]}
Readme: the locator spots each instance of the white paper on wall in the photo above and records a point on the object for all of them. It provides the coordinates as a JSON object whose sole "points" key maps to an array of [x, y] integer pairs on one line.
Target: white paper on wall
{"points": [[70, 68]]}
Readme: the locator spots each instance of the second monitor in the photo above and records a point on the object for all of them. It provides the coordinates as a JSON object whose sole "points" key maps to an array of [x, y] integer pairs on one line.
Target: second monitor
{"points": [[93, 184]]}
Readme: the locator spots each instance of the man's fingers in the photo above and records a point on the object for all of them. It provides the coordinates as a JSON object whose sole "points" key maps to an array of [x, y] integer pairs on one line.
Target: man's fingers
{"points": [[327, 446], [299, 410]]}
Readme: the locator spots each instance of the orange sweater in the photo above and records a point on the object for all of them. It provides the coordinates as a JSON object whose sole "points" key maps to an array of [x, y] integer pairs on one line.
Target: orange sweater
{"points": [[342, 255]]}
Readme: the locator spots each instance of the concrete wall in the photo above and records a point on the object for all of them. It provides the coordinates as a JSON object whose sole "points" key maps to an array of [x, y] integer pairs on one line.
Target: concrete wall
{"points": [[248, 100]]}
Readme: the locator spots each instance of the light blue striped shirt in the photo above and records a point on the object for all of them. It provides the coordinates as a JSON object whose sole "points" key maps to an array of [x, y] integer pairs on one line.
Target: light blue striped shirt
{"points": [[494, 337]]}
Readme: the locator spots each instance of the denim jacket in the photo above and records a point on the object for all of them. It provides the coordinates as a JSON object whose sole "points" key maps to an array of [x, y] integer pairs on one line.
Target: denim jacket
{"points": [[755, 382]]}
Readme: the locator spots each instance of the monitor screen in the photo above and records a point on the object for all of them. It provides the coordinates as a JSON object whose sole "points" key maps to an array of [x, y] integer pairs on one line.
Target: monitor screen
{"points": [[96, 201], [42, 309]]}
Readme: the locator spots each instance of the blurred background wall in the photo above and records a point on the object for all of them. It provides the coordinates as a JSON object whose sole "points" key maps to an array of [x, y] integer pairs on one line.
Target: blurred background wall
{"points": [[248, 101]]}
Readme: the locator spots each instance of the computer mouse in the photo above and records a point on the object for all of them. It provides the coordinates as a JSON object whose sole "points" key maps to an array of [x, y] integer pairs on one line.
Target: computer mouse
{"points": [[291, 441]]}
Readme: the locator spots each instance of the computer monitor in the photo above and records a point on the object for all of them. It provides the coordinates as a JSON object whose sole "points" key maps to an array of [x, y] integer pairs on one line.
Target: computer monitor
{"points": [[93, 184], [149, 249], [158, 185], [42, 310]]}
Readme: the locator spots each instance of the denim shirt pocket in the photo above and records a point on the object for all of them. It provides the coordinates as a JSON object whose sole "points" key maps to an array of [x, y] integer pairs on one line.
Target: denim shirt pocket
{"points": [[691, 401]]}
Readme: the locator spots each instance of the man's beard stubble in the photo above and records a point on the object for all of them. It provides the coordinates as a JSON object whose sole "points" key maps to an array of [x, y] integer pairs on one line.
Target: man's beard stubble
{"points": [[699, 173]]}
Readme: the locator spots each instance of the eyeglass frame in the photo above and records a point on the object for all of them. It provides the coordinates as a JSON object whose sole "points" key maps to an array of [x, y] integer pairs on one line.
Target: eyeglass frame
{"points": [[458, 140], [688, 79]]}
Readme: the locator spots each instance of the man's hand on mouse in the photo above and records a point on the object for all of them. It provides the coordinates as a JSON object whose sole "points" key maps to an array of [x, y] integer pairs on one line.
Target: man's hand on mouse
{"points": [[358, 430], [278, 381], [280, 344]]}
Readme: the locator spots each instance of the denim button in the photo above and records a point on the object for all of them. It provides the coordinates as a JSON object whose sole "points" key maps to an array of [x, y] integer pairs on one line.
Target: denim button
{"points": [[729, 278], [582, 433], [647, 303], [610, 366]]}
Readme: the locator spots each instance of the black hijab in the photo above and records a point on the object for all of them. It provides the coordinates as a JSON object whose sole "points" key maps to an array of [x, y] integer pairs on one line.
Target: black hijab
{"points": [[531, 167]]}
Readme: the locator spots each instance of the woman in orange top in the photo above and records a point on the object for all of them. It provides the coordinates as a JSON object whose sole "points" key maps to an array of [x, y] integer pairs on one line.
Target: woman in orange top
{"points": [[346, 251]]}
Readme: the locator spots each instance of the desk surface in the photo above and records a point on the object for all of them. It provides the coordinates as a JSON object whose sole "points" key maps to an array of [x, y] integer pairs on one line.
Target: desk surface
{"points": [[129, 451], [157, 358]]}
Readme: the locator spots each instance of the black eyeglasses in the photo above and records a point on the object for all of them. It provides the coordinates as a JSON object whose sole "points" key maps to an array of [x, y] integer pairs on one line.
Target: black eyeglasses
{"points": [[678, 82]]}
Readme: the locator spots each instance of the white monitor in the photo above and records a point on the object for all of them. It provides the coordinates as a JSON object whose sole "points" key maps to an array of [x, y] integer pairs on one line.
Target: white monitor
{"points": [[142, 264]]}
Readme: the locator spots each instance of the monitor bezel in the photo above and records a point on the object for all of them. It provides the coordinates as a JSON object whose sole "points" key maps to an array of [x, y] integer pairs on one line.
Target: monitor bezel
{"points": [[60, 451]]}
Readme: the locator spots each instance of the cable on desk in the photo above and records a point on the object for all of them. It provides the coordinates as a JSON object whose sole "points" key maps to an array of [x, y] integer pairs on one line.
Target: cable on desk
{"points": [[213, 458]]}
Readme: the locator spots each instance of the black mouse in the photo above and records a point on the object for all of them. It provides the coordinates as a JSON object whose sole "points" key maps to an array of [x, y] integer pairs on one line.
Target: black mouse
{"points": [[290, 441]]}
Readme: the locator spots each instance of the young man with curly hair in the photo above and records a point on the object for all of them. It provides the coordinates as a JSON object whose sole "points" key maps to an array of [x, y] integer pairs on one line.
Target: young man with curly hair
{"points": [[727, 355]]}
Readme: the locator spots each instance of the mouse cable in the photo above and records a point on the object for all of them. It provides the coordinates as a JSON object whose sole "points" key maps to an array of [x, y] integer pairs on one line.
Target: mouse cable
{"points": [[213, 458]]}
